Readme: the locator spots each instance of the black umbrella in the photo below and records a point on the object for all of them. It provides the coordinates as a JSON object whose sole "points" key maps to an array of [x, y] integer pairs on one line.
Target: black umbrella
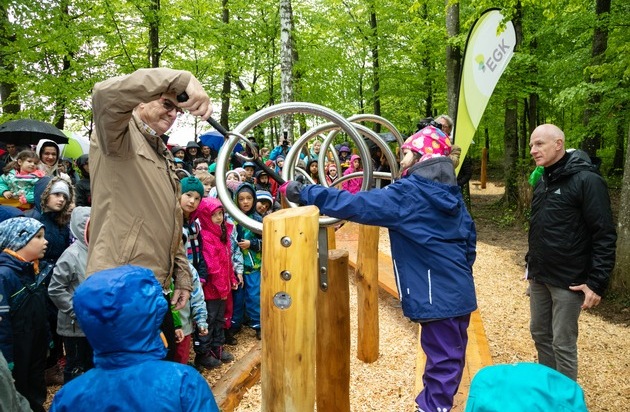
{"points": [[29, 131]]}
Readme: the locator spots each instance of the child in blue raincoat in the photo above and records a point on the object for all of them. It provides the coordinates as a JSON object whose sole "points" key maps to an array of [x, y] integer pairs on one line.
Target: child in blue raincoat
{"points": [[433, 241], [121, 310]]}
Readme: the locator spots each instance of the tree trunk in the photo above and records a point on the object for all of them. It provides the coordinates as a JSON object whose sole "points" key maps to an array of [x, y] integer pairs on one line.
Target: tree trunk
{"points": [[523, 139], [376, 75], [620, 278], [532, 107], [510, 141], [227, 75], [593, 140], [513, 173], [60, 101], [617, 166], [8, 89], [428, 78], [453, 58], [286, 63], [154, 33]]}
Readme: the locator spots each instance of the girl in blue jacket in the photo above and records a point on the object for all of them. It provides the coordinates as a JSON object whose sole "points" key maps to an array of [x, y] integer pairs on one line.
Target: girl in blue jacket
{"points": [[433, 242]]}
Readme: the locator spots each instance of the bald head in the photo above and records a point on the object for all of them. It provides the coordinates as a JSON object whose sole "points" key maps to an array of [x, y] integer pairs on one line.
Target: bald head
{"points": [[546, 145]]}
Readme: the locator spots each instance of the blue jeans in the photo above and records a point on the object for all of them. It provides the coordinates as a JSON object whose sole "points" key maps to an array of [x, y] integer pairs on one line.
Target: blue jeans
{"points": [[554, 326]]}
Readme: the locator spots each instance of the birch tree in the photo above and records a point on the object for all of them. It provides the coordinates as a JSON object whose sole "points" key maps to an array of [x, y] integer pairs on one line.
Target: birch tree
{"points": [[287, 52]]}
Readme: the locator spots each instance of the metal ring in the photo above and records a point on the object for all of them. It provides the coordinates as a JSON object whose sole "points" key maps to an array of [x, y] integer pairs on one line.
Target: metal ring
{"points": [[254, 120]]}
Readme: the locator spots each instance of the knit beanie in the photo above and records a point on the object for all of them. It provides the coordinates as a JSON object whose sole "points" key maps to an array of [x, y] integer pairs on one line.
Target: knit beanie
{"points": [[233, 185], [15, 233], [62, 187], [264, 195], [192, 184], [429, 142]]}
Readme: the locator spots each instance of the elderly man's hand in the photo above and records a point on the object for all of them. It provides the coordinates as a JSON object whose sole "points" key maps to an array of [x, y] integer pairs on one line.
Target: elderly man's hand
{"points": [[198, 103], [591, 299], [180, 298]]}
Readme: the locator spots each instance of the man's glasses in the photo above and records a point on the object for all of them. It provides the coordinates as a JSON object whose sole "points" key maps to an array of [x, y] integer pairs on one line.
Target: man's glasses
{"points": [[169, 106], [201, 168]]}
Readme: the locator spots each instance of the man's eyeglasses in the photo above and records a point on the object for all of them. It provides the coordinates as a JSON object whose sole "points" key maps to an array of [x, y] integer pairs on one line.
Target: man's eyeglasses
{"points": [[169, 106], [201, 168]]}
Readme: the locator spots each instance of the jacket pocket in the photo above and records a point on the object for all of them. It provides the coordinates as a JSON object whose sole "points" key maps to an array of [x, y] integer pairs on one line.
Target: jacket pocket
{"points": [[129, 240]]}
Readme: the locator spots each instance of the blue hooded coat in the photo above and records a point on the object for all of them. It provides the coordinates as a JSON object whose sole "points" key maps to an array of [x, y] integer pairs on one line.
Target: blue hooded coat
{"points": [[433, 238], [120, 311]]}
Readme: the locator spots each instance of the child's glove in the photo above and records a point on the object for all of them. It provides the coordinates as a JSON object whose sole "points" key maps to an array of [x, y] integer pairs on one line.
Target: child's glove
{"points": [[291, 190]]}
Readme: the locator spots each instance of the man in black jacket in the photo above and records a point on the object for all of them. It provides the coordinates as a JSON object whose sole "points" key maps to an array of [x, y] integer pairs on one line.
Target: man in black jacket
{"points": [[571, 247]]}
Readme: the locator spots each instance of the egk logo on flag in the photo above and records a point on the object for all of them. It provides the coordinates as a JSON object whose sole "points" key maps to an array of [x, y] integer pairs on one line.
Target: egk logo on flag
{"points": [[489, 49], [492, 52]]}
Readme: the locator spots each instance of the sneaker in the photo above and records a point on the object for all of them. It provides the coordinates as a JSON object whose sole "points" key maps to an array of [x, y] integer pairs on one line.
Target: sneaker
{"points": [[206, 361], [221, 354], [229, 337], [226, 356]]}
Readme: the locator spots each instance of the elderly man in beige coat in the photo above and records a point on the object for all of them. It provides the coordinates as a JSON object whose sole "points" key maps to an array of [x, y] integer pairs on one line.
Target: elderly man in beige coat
{"points": [[136, 217]]}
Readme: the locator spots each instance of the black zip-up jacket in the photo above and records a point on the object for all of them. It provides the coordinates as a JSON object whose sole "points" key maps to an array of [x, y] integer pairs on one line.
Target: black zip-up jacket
{"points": [[572, 235]]}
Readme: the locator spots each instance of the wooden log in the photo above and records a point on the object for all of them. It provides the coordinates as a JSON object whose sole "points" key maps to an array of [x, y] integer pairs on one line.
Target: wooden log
{"points": [[333, 337], [367, 294], [288, 297], [484, 167], [244, 374]]}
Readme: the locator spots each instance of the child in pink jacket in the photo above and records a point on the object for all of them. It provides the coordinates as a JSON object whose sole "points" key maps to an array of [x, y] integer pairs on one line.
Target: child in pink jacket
{"points": [[353, 185], [219, 246]]}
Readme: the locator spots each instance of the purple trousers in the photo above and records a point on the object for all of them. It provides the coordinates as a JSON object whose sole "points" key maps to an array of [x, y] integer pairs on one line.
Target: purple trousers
{"points": [[444, 343]]}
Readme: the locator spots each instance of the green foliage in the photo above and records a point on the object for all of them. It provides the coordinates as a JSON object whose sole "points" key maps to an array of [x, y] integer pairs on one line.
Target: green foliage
{"points": [[58, 56]]}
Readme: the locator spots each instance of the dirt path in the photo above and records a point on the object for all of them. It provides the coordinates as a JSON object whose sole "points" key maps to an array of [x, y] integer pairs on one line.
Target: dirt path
{"points": [[388, 384]]}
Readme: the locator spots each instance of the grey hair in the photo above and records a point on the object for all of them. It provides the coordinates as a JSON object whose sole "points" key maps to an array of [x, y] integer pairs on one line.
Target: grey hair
{"points": [[446, 117]]}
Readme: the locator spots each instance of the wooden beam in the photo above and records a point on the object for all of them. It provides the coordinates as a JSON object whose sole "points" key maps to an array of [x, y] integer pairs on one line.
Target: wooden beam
{"points": [[229, 391]]}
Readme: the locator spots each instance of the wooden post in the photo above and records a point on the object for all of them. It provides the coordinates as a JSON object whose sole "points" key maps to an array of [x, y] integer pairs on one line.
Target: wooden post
{"points": [[333, 337], [367, 294], [484, 167], [288, 297]]}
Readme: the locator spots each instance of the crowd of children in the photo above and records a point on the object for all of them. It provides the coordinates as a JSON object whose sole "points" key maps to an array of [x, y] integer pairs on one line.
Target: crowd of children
{"points": [[44, 237]]}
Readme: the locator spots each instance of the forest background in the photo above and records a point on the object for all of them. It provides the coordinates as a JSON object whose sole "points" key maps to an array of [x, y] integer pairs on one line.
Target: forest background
{"points": [[399, 59]]}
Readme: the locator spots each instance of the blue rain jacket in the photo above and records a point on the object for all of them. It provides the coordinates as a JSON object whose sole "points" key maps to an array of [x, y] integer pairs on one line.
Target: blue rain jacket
{"points": [[120, 311], [433, 238]]}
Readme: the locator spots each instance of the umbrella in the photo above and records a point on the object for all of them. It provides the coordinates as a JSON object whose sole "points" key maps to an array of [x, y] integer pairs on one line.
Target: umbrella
{"points": [[29, 131], [214, 140], [77, 145]]}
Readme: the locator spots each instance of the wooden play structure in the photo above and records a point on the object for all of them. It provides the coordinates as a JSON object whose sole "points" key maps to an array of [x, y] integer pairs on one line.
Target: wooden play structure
{"points": [[305, 289], [318, 321]]}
